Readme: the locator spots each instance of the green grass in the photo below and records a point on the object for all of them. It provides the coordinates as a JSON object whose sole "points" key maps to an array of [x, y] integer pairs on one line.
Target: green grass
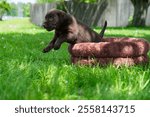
{"points": [[27, 73]]}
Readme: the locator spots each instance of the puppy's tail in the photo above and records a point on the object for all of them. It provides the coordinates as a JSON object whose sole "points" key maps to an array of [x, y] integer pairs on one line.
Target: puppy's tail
{"points": [[103, 30]]}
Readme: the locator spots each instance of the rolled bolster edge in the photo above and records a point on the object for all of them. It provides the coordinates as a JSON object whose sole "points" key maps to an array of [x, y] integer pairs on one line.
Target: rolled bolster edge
{"points": [[112, 47], [115, 61]]}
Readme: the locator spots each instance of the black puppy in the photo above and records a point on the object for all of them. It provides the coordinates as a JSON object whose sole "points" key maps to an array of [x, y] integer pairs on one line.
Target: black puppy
{"points": [[68, 29]]}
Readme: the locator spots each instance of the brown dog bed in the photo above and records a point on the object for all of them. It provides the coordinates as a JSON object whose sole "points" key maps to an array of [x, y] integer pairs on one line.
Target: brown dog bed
{"points": [[118, 51], [111, 47], [104, 61]]}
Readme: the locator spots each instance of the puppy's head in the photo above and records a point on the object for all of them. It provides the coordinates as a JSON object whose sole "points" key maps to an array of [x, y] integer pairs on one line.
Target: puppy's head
{"points": [[53, 19]]}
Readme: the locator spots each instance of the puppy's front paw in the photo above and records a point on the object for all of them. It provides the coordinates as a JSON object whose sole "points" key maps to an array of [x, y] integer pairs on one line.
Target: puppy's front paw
{"points": [[45, 50]]}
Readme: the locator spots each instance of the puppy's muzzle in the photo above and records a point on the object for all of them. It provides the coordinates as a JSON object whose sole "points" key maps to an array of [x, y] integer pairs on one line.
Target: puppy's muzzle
{"points": [[48, 26]]}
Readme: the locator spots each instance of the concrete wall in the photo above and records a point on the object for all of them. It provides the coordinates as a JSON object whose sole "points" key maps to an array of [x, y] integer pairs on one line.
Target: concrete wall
{"points": [[116, 12]]}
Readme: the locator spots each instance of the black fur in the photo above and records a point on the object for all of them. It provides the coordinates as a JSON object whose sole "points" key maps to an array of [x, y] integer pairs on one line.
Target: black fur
{"points": [[68, 29]]}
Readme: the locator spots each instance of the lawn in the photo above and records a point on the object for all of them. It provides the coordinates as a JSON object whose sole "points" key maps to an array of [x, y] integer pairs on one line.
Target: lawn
{"points": [[27, 73]]}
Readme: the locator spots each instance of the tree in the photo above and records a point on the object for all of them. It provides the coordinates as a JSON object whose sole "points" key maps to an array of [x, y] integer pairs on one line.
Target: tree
{"points": [[26, 10], [4, 8], [87, 11], [140, 11], [14, 10]]}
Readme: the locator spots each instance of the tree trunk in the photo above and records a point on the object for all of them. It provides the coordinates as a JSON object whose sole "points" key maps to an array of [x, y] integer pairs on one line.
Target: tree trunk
{"points": [[0, 18], [140, 12]]}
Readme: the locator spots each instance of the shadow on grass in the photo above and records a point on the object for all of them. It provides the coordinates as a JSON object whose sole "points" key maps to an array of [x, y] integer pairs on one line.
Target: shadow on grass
{"points": [[30, 46], [145, 36], [130, 28], [32, 74], [137, 32]]}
